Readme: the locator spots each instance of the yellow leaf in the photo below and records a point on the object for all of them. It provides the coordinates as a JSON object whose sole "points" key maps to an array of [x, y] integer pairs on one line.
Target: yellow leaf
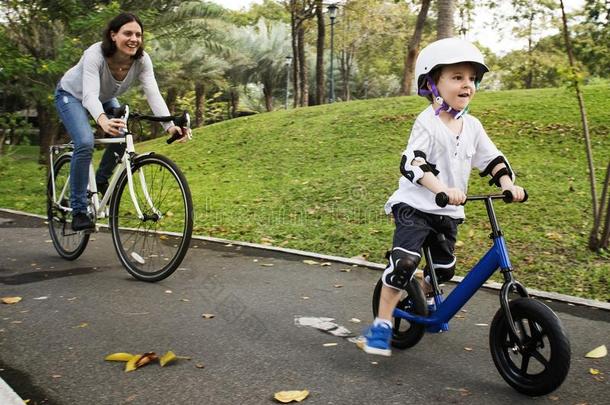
{"points": [[10, 300], [163, 237], [131, 364], [310, 261], [459, 243], [119, 357], [289, 396], [597, 353], [594, 371], [208, 316], [167, 358]]}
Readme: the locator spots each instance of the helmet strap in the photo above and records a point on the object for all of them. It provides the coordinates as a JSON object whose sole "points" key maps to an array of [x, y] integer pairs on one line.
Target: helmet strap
{"points": [[456, 114]]}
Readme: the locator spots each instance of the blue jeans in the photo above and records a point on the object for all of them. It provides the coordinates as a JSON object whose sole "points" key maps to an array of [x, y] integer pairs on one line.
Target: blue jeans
{"points": [[76, 121]]}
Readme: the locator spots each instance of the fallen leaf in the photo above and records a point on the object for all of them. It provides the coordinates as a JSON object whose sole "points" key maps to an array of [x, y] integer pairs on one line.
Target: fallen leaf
{"points": [[140, 360], [122, 356], [374, 363], [207, 316], [481, 324], [355, 320], [200, 365], [40, 298], [459, 316], [338, 285], [346, 270], [267, 264], [82, 325], [553, 397], [330, 344], [305, 298], [459, 243], [468, 349], [325, 264], [56, 376], [11, 300], [290, 396], [597, 353], [307, 261], [594, 371], [168, 291], [167, 358]]}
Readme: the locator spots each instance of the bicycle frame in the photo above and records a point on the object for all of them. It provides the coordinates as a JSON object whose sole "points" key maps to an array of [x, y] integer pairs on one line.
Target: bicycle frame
{"points": [[125, 164], [496, 257]]}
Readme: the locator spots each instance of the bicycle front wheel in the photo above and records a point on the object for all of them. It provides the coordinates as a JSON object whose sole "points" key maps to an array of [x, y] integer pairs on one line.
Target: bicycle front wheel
{"points": [[152, 247], [68, 243]]}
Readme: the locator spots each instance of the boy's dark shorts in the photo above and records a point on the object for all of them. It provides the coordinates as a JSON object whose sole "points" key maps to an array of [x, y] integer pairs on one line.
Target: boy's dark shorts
{"points": [[414, 227]]}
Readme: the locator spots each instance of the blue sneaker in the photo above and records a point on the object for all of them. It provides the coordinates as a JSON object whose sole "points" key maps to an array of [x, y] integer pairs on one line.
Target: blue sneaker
{"points": [[377, 340]]}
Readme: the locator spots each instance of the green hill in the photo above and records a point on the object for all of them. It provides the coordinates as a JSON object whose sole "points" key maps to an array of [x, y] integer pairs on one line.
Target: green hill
{"points": [[317, 178]]}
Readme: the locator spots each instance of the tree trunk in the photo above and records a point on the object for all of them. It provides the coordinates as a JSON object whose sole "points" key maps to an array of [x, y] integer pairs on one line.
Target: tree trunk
{"points": [[413, 49], [529, 78], [199, 104], [170, 99], [296, 65], [48, 127], [2, 139], [304, 81], [444, 23], [320, 53], [593, 237], [268, 93], [346, 70]]}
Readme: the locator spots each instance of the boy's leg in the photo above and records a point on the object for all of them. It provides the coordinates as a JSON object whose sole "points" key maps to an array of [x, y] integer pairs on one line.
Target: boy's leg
{"points": [[411, 231]]}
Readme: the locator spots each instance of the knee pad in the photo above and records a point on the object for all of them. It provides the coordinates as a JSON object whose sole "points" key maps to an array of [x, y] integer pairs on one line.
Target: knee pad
{"points": [[444, 274], [401, 268]]}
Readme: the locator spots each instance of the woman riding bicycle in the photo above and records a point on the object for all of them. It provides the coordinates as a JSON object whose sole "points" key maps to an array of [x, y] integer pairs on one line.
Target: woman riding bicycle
{"points": [[106, 70]]}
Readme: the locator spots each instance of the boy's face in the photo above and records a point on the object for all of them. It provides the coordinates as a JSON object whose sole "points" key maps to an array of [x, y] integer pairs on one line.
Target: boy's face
{"points": [[456, 84]]}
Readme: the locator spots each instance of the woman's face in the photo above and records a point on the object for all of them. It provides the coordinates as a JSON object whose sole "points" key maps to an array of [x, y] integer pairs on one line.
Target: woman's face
{"points": [[128, 39]]}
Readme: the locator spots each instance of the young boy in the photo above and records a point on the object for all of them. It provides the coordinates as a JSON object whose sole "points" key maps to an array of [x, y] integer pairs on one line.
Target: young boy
{"points": [[445, 144]]}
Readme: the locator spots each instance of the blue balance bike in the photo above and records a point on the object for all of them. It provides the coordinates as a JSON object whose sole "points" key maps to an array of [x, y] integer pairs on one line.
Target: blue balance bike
{"points": [[528, 343]]}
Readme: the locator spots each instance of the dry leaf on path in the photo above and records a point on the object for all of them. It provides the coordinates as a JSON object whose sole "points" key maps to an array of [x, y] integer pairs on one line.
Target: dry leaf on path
{"points": [[11, 300], [167, 358], [208, 316], [122, 356], [307, 261], [597, 353], [330, 344], [290, 396], [594, 371]]}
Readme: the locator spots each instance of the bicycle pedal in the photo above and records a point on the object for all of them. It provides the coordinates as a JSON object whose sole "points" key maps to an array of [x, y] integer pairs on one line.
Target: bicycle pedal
{"points": [[438, 328]]}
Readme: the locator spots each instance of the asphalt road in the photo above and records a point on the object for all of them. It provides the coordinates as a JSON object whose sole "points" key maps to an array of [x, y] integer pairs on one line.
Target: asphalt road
{"points": [[53, 342]]}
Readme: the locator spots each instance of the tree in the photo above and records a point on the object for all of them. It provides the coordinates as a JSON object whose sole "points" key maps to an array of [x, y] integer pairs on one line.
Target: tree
{"points": [[320, 52], [300, 12], [445, 26], [413, 49], [599, 237]]}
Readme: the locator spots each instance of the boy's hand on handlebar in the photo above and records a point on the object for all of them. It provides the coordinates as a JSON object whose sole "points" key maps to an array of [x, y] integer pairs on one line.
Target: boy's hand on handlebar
{"points": [[518, 193], [111, 126], [456, 196]]}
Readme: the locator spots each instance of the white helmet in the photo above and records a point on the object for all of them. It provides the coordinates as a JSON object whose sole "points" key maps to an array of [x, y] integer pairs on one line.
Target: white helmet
{"points": [[448, 51]]}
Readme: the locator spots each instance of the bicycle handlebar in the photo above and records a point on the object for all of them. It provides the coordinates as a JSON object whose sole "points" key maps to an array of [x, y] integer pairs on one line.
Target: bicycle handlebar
{"points": [[442, 199], [183, 120]]}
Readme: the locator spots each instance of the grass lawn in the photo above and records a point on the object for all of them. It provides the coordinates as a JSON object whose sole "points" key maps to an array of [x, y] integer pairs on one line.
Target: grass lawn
{"points": [[317, 178]]}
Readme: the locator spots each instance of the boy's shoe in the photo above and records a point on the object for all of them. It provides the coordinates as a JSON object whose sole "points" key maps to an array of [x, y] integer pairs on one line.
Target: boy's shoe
{"points": [[82, 222], [378, 339]]}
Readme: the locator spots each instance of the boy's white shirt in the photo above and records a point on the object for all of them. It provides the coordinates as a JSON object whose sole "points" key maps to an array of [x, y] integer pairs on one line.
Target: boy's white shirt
{"points": [[453, 155]]}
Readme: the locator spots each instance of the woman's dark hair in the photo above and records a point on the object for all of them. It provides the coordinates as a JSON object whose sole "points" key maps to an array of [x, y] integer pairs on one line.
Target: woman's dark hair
{"points": [[108, 45]]}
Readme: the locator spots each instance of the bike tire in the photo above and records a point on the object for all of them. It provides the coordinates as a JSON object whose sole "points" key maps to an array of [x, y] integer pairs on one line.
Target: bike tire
{"points": [[546, 342], [404, 333], [68, 243], [153, 248]]}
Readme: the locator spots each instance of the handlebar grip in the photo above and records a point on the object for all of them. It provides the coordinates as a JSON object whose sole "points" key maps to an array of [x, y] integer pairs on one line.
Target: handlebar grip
{"points": [[508, 196], [441, 199], [174, 137]]}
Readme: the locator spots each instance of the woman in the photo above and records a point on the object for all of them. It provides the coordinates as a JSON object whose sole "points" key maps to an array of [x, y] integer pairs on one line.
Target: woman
{"points": [[106, 70]]}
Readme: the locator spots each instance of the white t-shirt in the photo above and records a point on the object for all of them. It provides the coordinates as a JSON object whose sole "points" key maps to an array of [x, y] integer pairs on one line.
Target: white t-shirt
{"points": [[452, 155], [91, 81]]}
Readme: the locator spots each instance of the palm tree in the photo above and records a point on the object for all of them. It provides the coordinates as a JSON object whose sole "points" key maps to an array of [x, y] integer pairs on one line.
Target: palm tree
{"points": [[266, 45]]}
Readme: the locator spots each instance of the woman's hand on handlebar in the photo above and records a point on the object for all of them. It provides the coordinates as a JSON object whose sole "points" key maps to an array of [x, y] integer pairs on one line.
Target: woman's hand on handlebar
{"points": [[179, 134], [111, 126], [518, 193]]}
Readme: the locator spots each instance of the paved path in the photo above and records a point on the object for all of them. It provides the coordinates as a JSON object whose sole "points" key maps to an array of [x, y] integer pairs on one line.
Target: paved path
{"points": [[53, 342]]}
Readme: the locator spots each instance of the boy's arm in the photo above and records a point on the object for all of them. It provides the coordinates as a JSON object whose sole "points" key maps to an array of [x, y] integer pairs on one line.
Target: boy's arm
{"points": [[500, 173], [432, 183]]}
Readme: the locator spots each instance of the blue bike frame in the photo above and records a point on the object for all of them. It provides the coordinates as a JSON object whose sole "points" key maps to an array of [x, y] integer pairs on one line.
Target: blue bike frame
{"points": [[496, 258]]}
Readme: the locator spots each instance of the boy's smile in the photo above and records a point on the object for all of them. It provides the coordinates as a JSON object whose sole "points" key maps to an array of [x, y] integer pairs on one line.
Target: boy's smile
{"points": [[456, 85]]}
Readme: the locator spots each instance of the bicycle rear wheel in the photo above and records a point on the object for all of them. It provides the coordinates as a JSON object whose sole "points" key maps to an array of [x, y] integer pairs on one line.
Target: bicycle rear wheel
{"points": [[151, 248], [68, 243], [404, 333]]}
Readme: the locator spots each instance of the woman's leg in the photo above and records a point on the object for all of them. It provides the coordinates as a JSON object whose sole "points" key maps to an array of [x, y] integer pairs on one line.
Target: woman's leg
{"points": [[76, 121], [109, 159]]}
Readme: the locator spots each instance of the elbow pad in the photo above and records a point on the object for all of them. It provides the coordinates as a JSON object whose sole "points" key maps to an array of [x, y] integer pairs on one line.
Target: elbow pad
{"points": [[415, 173], [502, 172]]}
